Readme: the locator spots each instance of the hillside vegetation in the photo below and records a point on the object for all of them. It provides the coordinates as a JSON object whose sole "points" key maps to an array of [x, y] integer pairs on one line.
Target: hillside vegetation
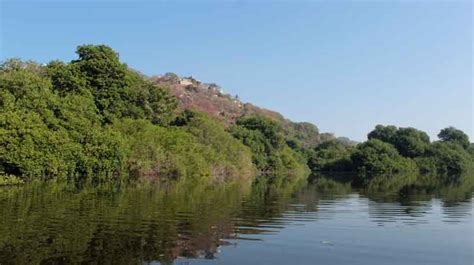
{"points": [[210, 98], [95, 120]]}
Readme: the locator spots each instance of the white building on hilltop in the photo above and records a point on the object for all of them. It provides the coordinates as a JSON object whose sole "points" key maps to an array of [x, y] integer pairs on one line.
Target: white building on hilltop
{"points": [[185, 81]]}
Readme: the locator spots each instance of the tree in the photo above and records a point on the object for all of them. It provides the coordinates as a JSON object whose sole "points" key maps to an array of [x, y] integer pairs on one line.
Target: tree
{"points": [[304, 133], [454, 135], [171, 78], [384, 133], [270, 129], [270, 152], [105, 77], [47, 136], [470, 150], [118, 91], [379, 157], [411, 142], [448, 158], [65, 78], [101, 66], [330, 156]]}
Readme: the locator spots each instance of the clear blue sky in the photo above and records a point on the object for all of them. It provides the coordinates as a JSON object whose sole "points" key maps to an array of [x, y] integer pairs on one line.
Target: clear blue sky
{"points": [[345, 66]]}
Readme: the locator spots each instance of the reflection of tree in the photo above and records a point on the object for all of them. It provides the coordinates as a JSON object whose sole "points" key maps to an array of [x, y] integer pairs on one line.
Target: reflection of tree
{"points": [[455, 211], [410, 199], [267, 203], [48, 223], [388, 212], [428, 187], [138, 224], [55, 224]]}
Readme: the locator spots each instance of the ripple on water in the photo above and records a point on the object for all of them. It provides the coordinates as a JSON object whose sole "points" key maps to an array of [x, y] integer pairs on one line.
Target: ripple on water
{"points": [[229, 226]]}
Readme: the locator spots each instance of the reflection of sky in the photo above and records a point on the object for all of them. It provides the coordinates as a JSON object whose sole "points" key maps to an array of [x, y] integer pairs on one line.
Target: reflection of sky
{"points": [[355, 230]]}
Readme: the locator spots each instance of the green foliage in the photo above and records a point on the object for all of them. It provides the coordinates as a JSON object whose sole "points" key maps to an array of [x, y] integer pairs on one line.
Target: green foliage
{"points": [[101, 67], [228, 156], [156, 152], [287, 162], [446, 158], [270, 153], [330, 156], [375, 156], [65, 78], [302, 134], [395, 150], [393, 157], [384, 133], [454, 135], [257, 142], [95, 120], [145, 100], [6, 180], [409, 142], [118, 91], [46, 136], [327, 137], [470, 150], [196, 148], [271, 130]]}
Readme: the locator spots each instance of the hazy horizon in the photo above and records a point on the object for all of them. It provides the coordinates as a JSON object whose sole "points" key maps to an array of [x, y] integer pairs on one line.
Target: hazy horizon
{"points": [[343, 66]]}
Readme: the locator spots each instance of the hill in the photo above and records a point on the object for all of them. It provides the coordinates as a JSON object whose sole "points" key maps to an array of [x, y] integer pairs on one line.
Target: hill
{"points": [[211, 99], [95, 120]]}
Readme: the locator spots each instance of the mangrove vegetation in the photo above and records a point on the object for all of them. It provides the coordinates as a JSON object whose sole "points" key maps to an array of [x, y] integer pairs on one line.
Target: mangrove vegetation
{"points": [[95, 120]]}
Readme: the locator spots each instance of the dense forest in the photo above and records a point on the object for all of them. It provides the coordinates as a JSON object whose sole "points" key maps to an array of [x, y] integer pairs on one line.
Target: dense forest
{"points": [[398, 151], [95, 120]]}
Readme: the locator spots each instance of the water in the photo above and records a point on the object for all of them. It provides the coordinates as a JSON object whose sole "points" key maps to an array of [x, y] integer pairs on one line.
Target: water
{"points": [[293, 223]]}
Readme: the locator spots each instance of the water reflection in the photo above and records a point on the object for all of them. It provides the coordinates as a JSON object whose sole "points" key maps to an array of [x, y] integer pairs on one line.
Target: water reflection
{"points": [[53, 224]]}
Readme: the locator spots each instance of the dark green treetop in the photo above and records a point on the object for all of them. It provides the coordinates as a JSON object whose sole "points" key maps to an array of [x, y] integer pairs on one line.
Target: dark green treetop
{"points": [[454, 135]]}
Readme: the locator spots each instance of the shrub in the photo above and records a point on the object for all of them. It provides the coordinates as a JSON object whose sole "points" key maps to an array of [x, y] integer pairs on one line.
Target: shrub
{"points": [[446, 158], [330, 156], [270, 153], [375, 156], [6, 180], [454, 135], [409, 142]]}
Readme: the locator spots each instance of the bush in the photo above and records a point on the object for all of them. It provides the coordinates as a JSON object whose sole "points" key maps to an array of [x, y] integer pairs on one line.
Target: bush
{"points": [[270, 153], [446, 158], [409, 142], [199, 148], [330, 156], [94, 119], [375, 156], [6, 180], [156, 152], [228, 156], [454, 135]]}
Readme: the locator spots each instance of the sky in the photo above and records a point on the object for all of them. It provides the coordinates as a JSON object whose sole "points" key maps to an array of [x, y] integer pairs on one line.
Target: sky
{"points": [[345, 66]]}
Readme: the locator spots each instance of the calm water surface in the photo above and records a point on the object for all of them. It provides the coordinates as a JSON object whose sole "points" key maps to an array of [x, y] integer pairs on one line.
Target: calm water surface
{"points": [[290, 223]]}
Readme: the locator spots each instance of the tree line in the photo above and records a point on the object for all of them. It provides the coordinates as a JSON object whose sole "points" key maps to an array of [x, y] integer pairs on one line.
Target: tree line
{"points": [[392, 150], [94, 119]]}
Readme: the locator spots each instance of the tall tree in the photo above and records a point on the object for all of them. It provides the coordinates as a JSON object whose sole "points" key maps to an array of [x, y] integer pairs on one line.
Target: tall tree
{"points": [[454, 135]]}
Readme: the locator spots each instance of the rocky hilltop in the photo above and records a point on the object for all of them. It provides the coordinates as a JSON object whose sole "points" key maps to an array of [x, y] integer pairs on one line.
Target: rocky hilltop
{"points": [[211, 99]]}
